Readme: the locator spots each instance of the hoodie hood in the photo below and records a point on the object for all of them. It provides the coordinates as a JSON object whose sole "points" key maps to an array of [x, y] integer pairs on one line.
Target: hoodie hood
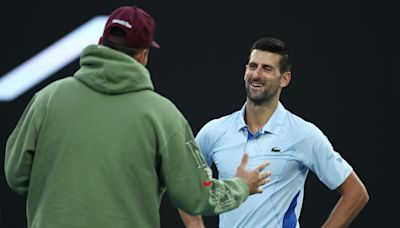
{"points": [[112, 72]]}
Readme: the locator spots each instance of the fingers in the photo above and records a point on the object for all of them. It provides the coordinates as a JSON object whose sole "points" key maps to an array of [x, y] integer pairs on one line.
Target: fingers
{"points": [[259, 190], [265, 175], [254, 178], [264, 181], [245, 159], [262, 166], [264, 178]]}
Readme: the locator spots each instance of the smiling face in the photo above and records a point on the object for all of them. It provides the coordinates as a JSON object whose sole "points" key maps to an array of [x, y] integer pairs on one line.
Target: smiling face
{"points": [[263, 79]]}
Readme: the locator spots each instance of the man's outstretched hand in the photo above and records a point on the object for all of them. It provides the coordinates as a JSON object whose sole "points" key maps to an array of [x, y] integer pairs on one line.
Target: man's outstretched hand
{"points": [[254, 178]]}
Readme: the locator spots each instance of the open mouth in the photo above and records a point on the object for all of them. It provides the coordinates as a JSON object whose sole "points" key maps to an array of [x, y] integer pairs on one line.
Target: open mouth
{"points": [[256, 85]]}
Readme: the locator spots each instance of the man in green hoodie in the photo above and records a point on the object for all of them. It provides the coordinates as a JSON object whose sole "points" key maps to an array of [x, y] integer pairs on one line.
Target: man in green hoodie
{"points": [[100, 148]]}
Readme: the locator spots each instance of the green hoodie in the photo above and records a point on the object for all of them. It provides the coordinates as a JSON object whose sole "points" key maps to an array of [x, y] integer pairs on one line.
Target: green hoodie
{"points": [[99, 150]]}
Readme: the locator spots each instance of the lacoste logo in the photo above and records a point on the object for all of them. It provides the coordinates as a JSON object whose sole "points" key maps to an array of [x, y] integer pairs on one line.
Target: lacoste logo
{"points": [[275, 149]]}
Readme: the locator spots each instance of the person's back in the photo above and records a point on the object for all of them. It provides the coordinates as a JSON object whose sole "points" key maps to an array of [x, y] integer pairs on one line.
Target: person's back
{"points": [[96, 153], [100, 148]]}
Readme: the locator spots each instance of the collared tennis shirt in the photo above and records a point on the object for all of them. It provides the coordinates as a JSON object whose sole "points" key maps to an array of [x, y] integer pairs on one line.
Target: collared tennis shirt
{"points": [[292, 145]]}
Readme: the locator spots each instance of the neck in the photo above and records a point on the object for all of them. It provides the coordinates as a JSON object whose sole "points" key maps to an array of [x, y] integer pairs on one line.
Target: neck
{"points": [[257, 115]]}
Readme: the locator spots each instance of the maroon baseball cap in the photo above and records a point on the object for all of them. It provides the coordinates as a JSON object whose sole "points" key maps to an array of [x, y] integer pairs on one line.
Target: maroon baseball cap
{"points": [[139, 28]]}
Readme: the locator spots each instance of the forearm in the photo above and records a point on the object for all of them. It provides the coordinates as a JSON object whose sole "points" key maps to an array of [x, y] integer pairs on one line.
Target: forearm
{"points": [[354, 198], [344, 213], [208, 196], [191, 221], [189, 181]]}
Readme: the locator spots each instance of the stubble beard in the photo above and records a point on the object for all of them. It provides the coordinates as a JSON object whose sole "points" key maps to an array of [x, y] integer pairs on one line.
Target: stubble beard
{"points": [[261, 97]]}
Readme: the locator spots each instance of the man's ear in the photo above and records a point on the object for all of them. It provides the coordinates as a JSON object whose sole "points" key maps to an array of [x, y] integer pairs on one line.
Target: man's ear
{"points": [[285, 79], [141, 57]]}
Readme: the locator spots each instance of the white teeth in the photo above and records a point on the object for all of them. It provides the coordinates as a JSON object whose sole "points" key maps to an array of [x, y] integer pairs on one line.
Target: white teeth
{"points": [[256, 84]]}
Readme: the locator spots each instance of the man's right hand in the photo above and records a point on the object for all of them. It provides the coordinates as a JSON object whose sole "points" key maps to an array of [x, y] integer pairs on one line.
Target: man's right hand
{"points": [[253, 178]]}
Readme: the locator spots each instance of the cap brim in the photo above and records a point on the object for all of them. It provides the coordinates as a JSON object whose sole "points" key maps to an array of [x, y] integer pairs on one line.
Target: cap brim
{"points": [[155, 44]]}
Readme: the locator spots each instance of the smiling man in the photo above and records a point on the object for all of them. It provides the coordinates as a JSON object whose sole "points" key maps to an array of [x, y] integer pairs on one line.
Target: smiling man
{"points": [[267, 131]]}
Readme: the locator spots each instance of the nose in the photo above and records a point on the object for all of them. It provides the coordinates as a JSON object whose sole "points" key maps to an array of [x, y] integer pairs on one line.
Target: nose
{"points": [[257, 72]]}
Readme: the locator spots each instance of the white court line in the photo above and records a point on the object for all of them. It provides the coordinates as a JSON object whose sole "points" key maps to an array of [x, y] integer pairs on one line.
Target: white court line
{"points": [[50, 60]]}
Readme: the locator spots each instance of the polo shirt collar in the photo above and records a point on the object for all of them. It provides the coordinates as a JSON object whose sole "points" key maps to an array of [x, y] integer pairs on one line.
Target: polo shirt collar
{"points": [[273, 125]]}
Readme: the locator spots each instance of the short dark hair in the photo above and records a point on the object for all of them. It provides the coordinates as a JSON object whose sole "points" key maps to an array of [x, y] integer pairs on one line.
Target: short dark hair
{"points": [[120, 34], [276, 46]]}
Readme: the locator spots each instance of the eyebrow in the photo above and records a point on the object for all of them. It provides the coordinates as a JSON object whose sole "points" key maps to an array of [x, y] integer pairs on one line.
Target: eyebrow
{"points": [[262, 65]]}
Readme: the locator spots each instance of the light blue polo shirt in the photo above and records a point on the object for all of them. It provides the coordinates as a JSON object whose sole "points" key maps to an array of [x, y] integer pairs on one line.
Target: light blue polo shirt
{"points": [[292, 145]]}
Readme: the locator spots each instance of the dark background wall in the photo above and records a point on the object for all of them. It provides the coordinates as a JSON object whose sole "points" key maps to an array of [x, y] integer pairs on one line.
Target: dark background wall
{"points": [[344, 78]]}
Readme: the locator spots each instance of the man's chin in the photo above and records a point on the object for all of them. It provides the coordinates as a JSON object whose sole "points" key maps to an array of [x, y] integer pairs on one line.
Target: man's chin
{"points": [[258, 100]]}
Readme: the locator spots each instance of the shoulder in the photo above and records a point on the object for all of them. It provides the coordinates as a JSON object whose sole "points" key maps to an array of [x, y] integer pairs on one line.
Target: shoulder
{"points": [[161, 111], [51, 89], [215, 129], [221, 124], [162, 104], [301, 127]]}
